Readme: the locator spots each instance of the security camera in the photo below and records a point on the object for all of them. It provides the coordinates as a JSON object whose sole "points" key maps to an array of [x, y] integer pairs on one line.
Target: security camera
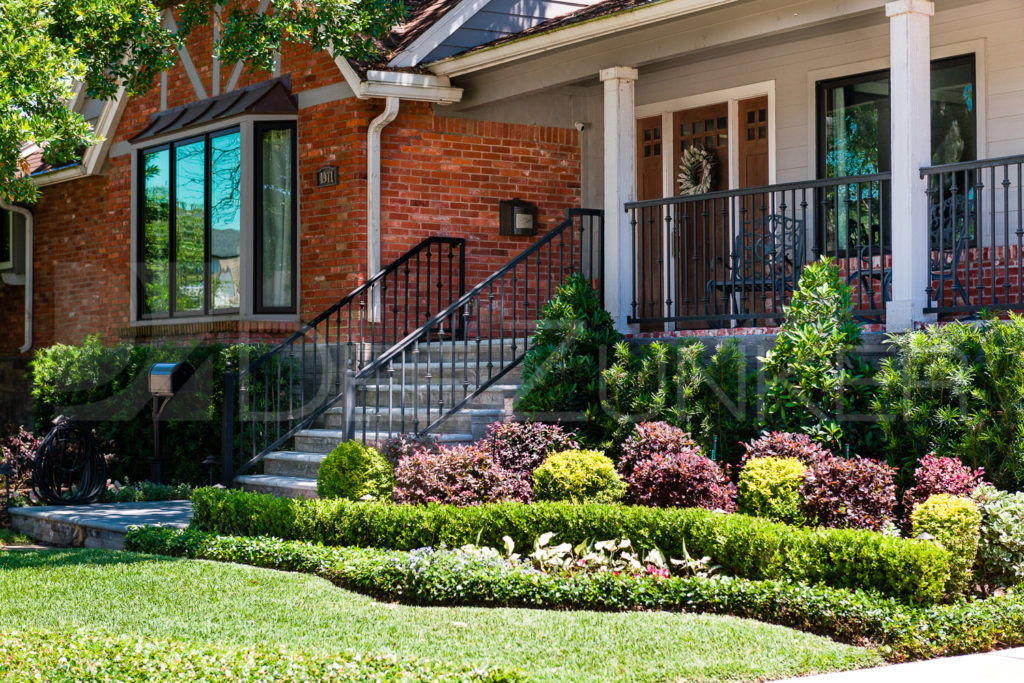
{"points": [[580, 126]]}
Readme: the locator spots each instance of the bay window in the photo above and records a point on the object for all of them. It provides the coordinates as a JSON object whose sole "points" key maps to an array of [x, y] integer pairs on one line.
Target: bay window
{"points": [[195, 228]]}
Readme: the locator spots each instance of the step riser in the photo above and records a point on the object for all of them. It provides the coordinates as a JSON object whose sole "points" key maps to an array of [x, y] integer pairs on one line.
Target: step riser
{"points": [[291, 468], [460, 423], [282, 491]]}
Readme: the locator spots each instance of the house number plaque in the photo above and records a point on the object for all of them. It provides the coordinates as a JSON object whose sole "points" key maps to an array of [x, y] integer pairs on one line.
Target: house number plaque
{"points": [[327, 176]]}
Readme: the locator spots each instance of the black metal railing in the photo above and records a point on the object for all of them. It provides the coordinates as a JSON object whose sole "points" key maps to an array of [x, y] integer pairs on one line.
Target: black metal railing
{"points": [[286, 389], [734, 257], [466, 348], [975, 235]]}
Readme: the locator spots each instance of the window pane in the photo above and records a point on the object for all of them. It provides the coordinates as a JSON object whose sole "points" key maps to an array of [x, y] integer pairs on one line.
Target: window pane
{"points": [[276, 237], [225, 223], [189, 223], [6, 248], [855, 116], [156, 232], [953, 126]]}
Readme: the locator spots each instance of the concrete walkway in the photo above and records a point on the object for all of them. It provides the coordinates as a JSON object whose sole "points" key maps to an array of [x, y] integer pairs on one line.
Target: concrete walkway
{"points": [[1005, 666], [96, 526]]}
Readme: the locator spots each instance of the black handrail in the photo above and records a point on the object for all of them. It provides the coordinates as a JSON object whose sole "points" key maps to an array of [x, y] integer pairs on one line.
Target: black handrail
{"points": [[284, 390], [473, 367]]}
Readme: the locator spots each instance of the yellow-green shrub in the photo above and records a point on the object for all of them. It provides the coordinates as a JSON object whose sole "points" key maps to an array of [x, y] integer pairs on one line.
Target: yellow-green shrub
{"points": [[578, 476], [770, 487], [355, 471], [956, 524]]}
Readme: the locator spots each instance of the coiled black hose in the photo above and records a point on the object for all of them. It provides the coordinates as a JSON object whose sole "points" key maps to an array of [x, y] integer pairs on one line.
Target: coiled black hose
{"points": [[69, 468]]}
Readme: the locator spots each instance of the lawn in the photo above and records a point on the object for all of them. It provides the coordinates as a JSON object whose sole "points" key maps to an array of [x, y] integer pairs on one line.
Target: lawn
{"points": [[232, 604]]}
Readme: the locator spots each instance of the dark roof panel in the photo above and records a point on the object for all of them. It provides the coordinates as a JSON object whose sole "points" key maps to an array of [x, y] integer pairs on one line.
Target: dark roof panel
{"points": [[271, 97]]}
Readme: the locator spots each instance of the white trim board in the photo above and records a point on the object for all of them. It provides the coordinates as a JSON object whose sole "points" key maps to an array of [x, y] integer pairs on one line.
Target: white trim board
{"points": [[438, 32], [730, 95]]}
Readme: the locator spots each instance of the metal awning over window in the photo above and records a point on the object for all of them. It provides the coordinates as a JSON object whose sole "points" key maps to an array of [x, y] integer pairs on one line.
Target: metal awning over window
{"points": [[272, 97]]}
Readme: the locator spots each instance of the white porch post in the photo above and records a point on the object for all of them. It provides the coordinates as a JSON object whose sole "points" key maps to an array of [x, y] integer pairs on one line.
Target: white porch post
{"points": [[910, 97], [619, 188]]}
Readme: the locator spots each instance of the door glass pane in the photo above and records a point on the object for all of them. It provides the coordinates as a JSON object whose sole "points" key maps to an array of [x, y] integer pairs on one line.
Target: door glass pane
{"points": [[225, 221], [276, 237], [189, 223], [156, 232]]}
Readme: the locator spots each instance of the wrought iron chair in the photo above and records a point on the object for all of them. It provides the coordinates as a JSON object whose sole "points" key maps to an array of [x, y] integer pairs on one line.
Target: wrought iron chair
{"points": [[951, 227], [767, 259]]}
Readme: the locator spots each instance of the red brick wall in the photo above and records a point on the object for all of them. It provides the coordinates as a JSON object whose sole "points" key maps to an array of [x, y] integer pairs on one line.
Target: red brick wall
{"points": [[440, 176]]}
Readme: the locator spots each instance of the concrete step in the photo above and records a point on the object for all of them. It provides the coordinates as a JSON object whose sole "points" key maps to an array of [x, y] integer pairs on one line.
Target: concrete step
{"points": [[466, 421], [286, 487], [325, 440], [96, 526], [496, 396], [293, 464]]}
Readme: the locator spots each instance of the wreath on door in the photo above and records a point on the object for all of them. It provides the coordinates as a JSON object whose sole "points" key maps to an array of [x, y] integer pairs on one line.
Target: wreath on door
{"points": [[696, 170]]}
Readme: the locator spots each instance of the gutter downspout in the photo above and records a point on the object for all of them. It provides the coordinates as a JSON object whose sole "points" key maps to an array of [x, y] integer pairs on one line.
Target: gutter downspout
{"points": [[373, 193], [29, 229]]}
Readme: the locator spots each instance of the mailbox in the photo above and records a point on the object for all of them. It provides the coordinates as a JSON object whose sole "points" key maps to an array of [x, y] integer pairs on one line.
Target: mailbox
{"points": [[168, 379], [517, 217]]}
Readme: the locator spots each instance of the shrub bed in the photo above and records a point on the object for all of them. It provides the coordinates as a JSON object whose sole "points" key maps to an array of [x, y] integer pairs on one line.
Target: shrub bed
{"points": [[86, 655], [912, 570], [446, 577]]}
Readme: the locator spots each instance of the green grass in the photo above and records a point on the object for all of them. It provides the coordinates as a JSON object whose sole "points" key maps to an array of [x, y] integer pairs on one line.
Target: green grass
{"points": [[234, 604], [11, 537]]}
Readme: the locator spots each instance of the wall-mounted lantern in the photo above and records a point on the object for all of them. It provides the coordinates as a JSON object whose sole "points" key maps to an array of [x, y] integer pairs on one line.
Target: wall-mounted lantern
{"points": [[517, 217]]}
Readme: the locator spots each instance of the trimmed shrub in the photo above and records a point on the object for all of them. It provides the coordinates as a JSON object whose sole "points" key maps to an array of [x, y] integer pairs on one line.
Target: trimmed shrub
{"points": [[857, 493], [562, 368], [108, 386], [431, 576], [652, 438], [94, 656], [457, 475], [957, 390], [940, 475], [784, 445], [1000, 560], [397, 447], [521, 447], [770, 487], [749, 547], [355, 471], [685, 479], [578, 476], [808, 381], [955, 523], [144, 492]]}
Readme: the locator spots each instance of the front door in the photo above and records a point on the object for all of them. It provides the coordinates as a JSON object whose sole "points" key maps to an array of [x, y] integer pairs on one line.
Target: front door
{"points": [[700, 232]]}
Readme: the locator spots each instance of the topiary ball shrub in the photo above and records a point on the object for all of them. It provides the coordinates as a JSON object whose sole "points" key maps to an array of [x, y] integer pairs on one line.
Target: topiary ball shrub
{"points": [[397, 447], [579, 477], [770, 487], [681, 479], [652, 438], [857, 493], [1000, 562], [940, 475], [457, 475], [355, 471], [521, 447], [955, 523], [784, 445]]}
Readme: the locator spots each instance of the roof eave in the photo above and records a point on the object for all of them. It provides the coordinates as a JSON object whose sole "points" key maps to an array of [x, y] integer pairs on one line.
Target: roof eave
{"points": [[532, 44]]}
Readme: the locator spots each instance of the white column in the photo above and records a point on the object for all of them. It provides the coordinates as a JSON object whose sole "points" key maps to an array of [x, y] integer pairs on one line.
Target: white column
{"points": [[910, 98], [619, 188]]}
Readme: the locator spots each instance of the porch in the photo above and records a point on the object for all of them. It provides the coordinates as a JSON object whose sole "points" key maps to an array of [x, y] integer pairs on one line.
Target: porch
{"points": [[732, 259]]}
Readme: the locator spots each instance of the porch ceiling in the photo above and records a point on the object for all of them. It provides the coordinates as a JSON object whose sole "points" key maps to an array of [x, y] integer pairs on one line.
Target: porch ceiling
{"points": [[575, 54]]}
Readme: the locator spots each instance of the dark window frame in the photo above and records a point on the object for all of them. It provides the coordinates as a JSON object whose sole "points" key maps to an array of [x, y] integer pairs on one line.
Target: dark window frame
{"points": [[259, 128]]}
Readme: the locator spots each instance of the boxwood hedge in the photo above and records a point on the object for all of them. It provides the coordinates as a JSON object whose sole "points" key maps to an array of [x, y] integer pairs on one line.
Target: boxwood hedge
{"points": [[914, 571], [431, 576]]}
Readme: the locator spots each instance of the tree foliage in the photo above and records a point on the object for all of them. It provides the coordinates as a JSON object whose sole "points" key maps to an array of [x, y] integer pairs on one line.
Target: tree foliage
{"points": [[51, 47]]}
